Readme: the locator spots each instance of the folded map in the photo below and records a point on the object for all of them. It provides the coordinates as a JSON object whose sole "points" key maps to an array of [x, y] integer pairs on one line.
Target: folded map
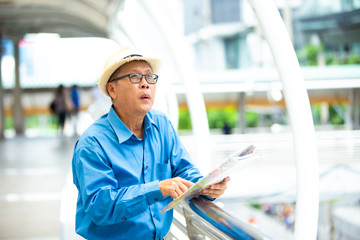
{"points": [[229, 165]]}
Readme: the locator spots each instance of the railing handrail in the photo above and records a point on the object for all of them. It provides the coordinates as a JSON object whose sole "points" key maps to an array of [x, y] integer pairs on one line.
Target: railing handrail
{"points": [[207, 219]]}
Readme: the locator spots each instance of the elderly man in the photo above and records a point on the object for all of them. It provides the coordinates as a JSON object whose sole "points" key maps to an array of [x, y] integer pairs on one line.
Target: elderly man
{"points": [[130, 163]]}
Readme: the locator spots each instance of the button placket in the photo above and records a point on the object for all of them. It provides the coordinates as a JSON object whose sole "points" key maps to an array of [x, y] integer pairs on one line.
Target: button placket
{"points": [[146, 166]]}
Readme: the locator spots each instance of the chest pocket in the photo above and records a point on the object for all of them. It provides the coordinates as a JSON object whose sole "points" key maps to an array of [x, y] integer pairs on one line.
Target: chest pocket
{"points": [[163, 170]]}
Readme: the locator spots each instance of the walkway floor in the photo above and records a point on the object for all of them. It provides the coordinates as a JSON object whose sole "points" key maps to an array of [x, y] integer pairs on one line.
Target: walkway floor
{"points": [[32, 177]]}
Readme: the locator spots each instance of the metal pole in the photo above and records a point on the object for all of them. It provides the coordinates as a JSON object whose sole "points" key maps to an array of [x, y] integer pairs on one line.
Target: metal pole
{"points": [[18, 114], [192, 232], [241, 110], [2, 112], [350, 123], [356, 107], [298, 107]]}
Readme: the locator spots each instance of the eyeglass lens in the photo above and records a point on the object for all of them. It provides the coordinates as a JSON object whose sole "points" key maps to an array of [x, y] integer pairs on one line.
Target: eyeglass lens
{"points": [[136, 78]]}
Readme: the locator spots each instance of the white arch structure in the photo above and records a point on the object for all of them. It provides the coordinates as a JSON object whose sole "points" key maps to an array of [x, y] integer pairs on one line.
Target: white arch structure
{"points": [[298, 107], [296, 98]]}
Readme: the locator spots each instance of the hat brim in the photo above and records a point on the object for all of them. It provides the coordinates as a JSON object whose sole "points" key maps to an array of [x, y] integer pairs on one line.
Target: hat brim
{"points": [[154, 63]]}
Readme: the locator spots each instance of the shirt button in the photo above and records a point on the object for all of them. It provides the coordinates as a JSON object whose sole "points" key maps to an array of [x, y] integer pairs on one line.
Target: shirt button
{"points": [[146, 167], [154, 215], [156, 199]]}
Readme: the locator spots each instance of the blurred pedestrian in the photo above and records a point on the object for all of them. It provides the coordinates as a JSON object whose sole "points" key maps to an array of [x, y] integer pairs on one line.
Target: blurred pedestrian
{"points": [[60, 106], [75, 100], [226, 128]]}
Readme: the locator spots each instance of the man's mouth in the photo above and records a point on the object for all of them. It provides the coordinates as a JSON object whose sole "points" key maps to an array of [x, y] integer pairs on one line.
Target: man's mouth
{"points": [[145, 96]]}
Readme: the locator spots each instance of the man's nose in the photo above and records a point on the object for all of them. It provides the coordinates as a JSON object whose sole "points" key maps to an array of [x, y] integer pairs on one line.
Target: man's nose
{"points": [[143, 83]]}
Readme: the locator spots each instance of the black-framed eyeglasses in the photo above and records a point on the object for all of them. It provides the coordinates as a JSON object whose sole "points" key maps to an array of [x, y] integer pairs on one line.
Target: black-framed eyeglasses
{"points": [[150, 78]]}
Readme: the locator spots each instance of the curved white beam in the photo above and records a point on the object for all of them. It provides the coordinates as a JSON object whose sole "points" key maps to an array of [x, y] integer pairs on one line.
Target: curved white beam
{"points": [[298, 107]]}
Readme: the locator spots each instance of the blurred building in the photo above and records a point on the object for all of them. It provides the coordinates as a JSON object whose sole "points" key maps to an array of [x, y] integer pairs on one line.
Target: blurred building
{"points": [[236, 66]]}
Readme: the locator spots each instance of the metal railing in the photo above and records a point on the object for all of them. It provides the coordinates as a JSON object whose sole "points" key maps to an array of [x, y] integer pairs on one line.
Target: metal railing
{"points": [[202, 219]]}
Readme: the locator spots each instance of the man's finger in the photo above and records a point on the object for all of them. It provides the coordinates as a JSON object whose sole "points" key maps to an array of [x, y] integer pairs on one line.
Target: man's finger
{"points": [[176, 193], [220, 185], [183, 188], [186, 182], [225, 180], [174, 189]]}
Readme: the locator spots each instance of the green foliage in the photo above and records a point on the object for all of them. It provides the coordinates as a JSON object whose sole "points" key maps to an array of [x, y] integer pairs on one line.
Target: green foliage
{"points": [[218, 117], [184, 119], [255, 205], [334, 114], [49, 122], [309, 54], [32, 122], [312, 52], [316, 114], [9, 123], [353, 58], [252, 119], [332, 59]]}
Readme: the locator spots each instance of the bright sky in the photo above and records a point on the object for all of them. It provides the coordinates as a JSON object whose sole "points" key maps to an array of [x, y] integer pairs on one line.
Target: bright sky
{"points": [[57, 60]]}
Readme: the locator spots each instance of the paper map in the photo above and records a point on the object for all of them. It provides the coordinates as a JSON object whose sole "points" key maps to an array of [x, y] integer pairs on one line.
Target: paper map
{"points": [[217, 175]]}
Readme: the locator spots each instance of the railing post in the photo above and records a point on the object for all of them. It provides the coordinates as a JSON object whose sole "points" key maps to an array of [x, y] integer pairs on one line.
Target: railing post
{"points": [[193, 233]]}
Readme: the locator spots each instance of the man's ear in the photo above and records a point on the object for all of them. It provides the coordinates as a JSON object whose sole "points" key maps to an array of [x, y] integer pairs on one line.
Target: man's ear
{"points": [[111, 90]]}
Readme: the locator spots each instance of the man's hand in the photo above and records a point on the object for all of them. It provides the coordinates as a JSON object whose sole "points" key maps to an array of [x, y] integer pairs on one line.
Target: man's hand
{"points": [[174, 187], [216, 190]]}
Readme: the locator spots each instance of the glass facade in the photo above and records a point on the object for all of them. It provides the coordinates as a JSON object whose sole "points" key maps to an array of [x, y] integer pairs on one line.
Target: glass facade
{"points": [[324, 32], [225, 11]]}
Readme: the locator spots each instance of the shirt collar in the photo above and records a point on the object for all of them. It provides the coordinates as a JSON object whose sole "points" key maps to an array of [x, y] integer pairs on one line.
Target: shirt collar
{"points": [[122, 132], [148, 121]]}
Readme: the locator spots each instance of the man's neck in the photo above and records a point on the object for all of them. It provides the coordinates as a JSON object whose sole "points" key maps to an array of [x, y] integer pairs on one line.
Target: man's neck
{"points": [[134, 122]]}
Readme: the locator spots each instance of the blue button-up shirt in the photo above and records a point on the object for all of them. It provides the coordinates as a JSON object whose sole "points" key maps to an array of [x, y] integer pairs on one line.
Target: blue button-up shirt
{"points": [[117, 176]]}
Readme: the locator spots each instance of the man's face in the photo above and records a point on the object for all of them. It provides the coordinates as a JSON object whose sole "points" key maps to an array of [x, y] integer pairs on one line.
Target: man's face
{"points": [[132, 98]]}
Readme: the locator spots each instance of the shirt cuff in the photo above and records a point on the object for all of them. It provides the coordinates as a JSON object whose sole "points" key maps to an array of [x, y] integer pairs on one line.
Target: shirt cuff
{"points": [[206, 197], [153, 193]]}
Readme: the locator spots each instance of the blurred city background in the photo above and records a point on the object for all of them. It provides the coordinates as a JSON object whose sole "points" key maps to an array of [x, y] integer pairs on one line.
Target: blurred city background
{"points": [[219, 47]]}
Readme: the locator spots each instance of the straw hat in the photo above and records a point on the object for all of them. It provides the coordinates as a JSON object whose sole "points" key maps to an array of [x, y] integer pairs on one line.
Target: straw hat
{"points": [[119, 58]]}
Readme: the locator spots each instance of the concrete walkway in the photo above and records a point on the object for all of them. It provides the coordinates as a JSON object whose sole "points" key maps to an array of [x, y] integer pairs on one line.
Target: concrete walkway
{"points": [[32, 178]]}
